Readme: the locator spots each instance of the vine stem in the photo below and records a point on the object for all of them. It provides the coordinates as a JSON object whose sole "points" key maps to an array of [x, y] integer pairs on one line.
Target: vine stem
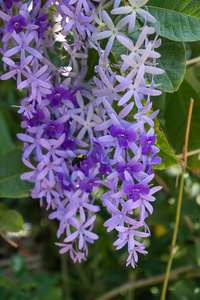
{"points": [[190, 153], [193, 61], [145, 282], [178, 211], [12, 243]]}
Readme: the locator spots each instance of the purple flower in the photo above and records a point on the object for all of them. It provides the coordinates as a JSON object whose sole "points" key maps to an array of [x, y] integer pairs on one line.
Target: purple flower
{"points": [[82, 233], [104, 168], [16, 23], [123, 136], [35, 120], [132, 10], [57, 95], [24, 43], [42, 25], [52, 128], [68, 143], [8, 3], [135, 190], [66, 183], [111, 31], [146, 143], [129, 167], [88, 185], [85, 166], [133, 248]]}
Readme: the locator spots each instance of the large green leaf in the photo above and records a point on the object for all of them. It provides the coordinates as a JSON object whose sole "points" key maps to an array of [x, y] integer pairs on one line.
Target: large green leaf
{"points": [[172, 61], [179, 19], [93, 58], [11, 167], [176, 112], [10, 220], [5, 140], [169, 159]]}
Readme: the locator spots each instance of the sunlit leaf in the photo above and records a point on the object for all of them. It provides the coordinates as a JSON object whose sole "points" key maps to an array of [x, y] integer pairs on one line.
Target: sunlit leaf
{"points": [[11, 167], [179, 19], [10, 220]]}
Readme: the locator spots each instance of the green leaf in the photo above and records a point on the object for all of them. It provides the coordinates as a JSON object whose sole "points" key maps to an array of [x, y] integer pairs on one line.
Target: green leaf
{"points": [[190, 76], [10, 220], [198, 251], [169, 159], [5, 140], [93, 58], [179, 19], [172, 61], [176, 112], [11, 167]]}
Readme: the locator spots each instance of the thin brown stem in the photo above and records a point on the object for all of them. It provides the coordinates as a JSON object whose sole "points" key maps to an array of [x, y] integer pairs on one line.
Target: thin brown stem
{"points": [[193, 61], [190, 153], [12, 243], [144, 282], [178, 211]]}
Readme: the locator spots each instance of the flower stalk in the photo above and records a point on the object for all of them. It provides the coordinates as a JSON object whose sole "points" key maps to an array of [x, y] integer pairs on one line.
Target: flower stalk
{"points": [[178, 210]]}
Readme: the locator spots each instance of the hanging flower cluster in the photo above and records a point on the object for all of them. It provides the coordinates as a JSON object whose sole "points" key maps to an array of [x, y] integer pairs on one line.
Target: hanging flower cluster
{"points": [[81, 134]]}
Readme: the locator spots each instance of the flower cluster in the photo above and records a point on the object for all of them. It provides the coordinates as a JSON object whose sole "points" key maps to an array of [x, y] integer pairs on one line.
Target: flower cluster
{"points": [[58, 115], [108, 121], [123, 95]]}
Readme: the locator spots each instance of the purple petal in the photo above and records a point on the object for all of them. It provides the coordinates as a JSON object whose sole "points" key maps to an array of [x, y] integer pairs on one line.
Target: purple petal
{"points": [[120, 168], [128, 189]]}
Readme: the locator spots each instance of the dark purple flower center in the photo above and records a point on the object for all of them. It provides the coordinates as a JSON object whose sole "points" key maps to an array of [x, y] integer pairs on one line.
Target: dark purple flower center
{"points": [[135, 190], [8, 4], [131, 168], [146, 143], [69, 143], [123, 136], [88, 185], [16, 23], [104, 168], [60, 93], [65, 183], [53, 128]]}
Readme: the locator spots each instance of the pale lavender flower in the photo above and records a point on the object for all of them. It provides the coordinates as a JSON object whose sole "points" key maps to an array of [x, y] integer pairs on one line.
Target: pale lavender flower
{"points": [[16, 68], [137, 90], [111, 32], [133, 10], [82, 232], [23, 42], [39, 82], [135, 65], [88, 124]]}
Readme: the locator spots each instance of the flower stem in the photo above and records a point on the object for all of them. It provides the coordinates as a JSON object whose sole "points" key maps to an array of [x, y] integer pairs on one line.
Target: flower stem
{"points": [[178, 211], [144, 282], [190, 153], [193, 61], [12, 243]]}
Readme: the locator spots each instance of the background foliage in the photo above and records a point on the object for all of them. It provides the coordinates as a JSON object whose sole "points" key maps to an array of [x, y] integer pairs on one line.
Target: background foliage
{"points": [[35, 270]]}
